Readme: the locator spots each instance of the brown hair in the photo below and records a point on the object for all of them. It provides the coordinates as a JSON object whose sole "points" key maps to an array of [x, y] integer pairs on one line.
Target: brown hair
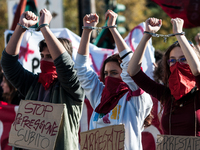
{"points": [[116, 58], [166, 68], [148, 119], [112, 58], [65, 42], [158, 72], [8, 97]]}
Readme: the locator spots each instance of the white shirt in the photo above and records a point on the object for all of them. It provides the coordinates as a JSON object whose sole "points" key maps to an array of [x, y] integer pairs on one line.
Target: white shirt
{"points": [[131, 113]]}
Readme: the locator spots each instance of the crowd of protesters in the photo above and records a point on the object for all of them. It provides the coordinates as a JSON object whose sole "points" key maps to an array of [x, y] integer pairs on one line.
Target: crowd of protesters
{"points": [[122, 86]]}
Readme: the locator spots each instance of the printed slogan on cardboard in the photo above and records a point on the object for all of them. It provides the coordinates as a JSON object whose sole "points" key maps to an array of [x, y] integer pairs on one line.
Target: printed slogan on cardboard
{"points": [[107, 138], [36, 125], [171, 142]]}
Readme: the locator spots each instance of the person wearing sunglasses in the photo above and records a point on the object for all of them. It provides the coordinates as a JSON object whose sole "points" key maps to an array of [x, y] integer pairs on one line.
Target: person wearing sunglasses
{"points": [[179, 93]]}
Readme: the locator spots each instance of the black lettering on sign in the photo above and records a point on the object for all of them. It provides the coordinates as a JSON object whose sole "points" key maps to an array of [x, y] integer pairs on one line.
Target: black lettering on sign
{"points": [[35, 64]]}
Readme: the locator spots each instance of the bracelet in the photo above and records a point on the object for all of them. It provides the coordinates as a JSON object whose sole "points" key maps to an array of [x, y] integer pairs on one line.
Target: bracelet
{"points": [[98, 28], [24, 27], [42, 25], [164, 36]]}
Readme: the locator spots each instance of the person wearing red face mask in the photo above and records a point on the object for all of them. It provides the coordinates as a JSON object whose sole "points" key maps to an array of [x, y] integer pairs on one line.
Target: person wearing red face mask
{"points": [[117, 99], [179, 93], [57, 82]]}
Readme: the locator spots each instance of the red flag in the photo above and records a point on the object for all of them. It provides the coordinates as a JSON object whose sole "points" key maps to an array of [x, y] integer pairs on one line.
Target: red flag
{"points": [[20, 9], [7, 116], [188, 10]]}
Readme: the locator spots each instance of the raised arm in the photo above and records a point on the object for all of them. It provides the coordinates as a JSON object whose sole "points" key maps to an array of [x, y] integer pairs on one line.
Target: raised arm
{"points": [[53, 44], [27, 19], [14, 71], [152, 25], [119, 41], [187, 49], [89, 79], [90, 20]]}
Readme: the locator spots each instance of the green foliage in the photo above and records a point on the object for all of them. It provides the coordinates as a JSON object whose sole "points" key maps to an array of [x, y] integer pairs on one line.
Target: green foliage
{"points": [[135, 13], [70, 13], [101, 9], [156, 11], [120, 19], [3, 23]]}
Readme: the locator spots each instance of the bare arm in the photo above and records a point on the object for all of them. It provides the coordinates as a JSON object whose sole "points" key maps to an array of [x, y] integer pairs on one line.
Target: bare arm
{"points": [[27, 19], [53, 44], [152, 25], [85, 41], [90, 20], [187, 49], [119, 41], [136, 60]]}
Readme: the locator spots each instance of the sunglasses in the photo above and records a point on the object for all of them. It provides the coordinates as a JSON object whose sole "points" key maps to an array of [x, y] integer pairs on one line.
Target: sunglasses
{"points": [[188, 42], [181, 60]]}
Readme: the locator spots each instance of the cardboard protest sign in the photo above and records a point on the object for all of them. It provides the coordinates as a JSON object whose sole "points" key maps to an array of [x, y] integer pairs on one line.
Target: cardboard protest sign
{"points": [[171, 142], [36, 125], [107, 138]]}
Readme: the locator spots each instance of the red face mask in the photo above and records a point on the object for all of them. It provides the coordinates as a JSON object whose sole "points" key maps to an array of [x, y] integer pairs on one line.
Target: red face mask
{"points": [[48, 74], [181, 80], [114, 89]]}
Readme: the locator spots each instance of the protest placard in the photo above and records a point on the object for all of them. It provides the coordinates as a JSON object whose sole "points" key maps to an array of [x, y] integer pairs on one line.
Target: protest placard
{"points": [[36, 125], [106, 138], [172, 142]]}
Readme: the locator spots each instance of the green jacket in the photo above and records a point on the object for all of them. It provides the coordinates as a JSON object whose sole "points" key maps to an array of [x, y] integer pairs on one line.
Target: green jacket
{"points": [[67, 91]]}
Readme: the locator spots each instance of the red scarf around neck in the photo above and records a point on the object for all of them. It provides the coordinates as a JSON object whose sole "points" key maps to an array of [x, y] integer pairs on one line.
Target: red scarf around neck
{"points": [[48, 74], [113, 91]]}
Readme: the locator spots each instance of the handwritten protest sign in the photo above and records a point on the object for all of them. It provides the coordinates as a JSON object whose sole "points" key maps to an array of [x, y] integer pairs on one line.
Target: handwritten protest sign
{"points": [[107, 138], [171, 142], [36, 125]]}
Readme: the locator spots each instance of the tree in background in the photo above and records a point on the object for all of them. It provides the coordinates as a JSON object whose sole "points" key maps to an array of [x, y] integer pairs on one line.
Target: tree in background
{"points": [[156, 11], [135, 13], [3, 23], [71, 20]]}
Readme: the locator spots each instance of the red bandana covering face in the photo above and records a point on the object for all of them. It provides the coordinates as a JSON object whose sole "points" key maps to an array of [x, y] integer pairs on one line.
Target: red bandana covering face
{"points": [[111, 94], [48, 74], [181, 80]]}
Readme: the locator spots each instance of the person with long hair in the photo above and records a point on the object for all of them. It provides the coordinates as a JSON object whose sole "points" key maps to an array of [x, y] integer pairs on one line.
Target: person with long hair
{"points": [[179, 93], [117, 99], [57, 82], [10, 93]]}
